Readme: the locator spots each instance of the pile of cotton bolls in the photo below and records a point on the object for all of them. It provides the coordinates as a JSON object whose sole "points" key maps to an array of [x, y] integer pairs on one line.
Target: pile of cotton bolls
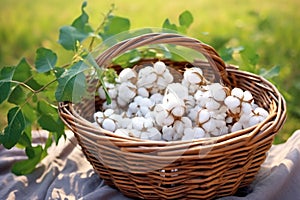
{"points": [[149, 104]]}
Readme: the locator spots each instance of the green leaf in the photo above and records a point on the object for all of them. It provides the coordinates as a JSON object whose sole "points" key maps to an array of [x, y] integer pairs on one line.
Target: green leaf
{"points": [[29, 113], [5, 91], [17, 96], [23, 73], [25, 139], [7, 73], [78, 31], [14, 129], [48, 123], [45, 60], [268, 74], [27, 166], [49, 119], [115, 25], [167, 25], [81, 23], [46, 108], [51, 124], [69, 35], [72, 84], [186, 19]]}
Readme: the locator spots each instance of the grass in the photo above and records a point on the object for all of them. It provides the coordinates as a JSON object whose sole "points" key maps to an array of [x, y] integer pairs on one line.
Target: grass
{"points": [[269, 27]]}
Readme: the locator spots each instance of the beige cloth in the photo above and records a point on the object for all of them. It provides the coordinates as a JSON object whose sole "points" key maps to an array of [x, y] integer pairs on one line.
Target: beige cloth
{"points": [[66, 174]]}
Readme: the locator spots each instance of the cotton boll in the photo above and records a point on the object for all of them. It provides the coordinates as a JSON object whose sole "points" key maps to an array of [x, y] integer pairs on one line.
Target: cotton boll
{"points": [[133, 107], [232, 102], [218, 92], [193, 113], [203, 116], [144, 136], [98, 117], [168, 133], [143, 92], [113, 93], [159, 67], [246, 108], [146, 77], [122, 132], [237, 92], [178, 111], [254, 120], [108, 124], [190, 102], [145, 71], [162, 116], [177, 136], [135, 133], [125, 123], [108, 112], [188, 134], [168, 77], [121, 102], [194, 78], [261, 112], [259, 115], [101, 93], [112, 105], [154, 134], [128, 74], [161, 83], [193, 133], [177, 90], [171, 101], [156, 98], [143, 111], [193, 75], [138, 123], [209, 125], [178, 126], [247, 96], [236, 127], [146, 102], [187, 122], [212, 105], [126, 92], [202, 97], [168, 120]]}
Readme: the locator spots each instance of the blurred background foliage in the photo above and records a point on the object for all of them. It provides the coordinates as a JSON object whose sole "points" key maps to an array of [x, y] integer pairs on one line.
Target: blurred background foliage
{"points": [[266, 33]]}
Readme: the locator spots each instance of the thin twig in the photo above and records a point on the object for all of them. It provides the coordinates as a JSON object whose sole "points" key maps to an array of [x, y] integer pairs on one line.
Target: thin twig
{"points": [[101, 25]]}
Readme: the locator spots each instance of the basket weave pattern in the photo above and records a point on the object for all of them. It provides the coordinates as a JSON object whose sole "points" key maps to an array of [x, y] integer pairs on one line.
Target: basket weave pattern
{"points": [[200, 169]]}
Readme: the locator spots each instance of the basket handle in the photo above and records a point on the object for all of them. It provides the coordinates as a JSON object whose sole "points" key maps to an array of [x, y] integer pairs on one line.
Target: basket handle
{"points": [[210, 53]]}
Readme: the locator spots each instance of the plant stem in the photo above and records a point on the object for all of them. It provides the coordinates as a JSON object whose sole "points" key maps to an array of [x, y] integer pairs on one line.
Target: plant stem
{"points": [[101, 26], [32, 90]]}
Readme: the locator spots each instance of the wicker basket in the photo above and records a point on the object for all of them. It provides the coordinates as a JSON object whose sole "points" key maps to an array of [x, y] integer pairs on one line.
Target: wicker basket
{"points": [[200, 169]]}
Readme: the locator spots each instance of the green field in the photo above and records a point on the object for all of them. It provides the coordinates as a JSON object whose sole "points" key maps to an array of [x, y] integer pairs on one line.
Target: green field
{"points": [[271, 28]]}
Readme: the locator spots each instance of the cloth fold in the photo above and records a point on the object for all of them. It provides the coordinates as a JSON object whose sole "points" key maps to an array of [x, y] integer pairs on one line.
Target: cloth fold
{"points": [[66, 174]]}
